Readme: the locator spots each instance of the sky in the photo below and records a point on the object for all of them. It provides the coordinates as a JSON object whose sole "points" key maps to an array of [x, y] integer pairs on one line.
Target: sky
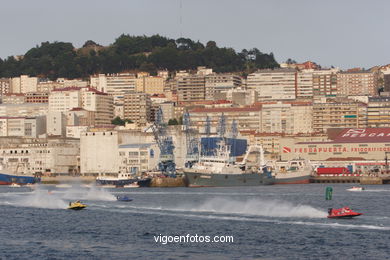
{"points": [[339, 33]]}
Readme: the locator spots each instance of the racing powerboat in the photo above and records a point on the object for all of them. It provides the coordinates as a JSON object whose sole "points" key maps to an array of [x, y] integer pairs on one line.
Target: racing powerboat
{"points": [[76, 205], [123, 198], [344, 212], [356, 188]]}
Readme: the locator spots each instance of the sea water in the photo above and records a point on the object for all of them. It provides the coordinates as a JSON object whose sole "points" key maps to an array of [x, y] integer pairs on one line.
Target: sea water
{"points": [[266, 222]]}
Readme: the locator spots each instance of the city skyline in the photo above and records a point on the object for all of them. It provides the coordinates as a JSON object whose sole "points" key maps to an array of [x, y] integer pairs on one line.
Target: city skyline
{"points": [[320, 32]]}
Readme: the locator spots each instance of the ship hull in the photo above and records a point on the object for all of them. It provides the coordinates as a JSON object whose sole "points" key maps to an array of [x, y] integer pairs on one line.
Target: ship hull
{"points": [[8, 179], [196, 179], [293, 180]]}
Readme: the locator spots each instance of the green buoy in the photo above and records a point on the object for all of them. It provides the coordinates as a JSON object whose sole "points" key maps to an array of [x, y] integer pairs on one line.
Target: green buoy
{"points": [[328, 193]]}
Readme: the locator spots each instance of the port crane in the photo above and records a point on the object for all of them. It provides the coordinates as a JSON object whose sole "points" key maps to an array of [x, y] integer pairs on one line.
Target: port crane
{"points": [[165, 143], [192, 141]]}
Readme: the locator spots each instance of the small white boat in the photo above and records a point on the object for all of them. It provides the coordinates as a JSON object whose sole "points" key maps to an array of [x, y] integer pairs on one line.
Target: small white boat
{"points": [[63, 186], [15, 185], [356, 188]]}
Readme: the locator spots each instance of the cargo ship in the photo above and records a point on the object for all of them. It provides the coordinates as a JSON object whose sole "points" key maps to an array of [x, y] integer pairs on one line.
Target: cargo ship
{"points": [[221, 171], [298, 171]]}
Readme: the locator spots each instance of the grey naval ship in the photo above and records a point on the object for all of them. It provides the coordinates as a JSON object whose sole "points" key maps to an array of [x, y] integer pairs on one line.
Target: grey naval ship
{"points": [[220, 170]]}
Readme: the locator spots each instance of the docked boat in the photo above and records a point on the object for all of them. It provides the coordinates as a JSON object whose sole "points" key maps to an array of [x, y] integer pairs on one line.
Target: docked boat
{"points": [[17, 179], [344, 212], [76, 205], [297, 171], [356, 188], [15, 185], [123, 198], [116, 181], [221, 171]]}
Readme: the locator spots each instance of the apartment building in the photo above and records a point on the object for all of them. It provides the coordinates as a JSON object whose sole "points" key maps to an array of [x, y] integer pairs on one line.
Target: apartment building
{"points": [[339, 114], [378, 112], [191, 88], [357, 82], [137, 107], [116, 85], [65, 99], [150, 85], [286, 117], [278, 84], [37, 97], [220, 83], [24, 84], [5, 85], [304, 84], [325, 83]]}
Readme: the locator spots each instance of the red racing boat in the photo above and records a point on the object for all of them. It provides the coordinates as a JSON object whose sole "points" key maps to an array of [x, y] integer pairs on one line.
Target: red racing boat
{"points": [[344, 212]]}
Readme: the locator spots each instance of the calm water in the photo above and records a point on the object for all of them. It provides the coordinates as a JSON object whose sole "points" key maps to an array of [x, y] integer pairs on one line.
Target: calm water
{"points": [[269, 222]]}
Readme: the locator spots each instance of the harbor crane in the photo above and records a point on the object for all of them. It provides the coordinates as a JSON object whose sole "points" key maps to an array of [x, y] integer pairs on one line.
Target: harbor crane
{"points": [[192, 141], [165, 143]]}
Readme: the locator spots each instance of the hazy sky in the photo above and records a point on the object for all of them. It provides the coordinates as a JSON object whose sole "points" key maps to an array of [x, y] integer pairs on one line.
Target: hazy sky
{"points": [[342, 33]]}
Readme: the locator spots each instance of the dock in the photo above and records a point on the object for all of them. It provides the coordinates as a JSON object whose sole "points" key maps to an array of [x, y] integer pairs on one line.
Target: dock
{"points": [[365, 180]]}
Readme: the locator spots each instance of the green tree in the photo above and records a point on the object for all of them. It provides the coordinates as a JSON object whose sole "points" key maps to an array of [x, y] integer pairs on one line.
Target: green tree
{"points": [[173, 122]]}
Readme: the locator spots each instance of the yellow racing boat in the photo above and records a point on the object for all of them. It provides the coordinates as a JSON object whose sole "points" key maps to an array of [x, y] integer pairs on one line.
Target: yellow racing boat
{"points": [[76, 205]]}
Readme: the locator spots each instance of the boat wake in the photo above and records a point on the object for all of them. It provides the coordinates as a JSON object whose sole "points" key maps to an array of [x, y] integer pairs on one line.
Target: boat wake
{"points": [[39, 199], [92, 193], [255, 207]]}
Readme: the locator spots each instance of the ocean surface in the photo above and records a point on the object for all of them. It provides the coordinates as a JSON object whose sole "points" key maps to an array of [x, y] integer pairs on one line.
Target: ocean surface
{"points": [[266, 222]]}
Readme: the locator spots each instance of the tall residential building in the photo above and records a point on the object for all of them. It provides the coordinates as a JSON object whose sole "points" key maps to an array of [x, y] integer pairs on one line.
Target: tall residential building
{"points": [[304, 84], [218, 83], [378, 112], [116, 85], [278, 84], [286, 117], [137, 107], [24, 84], [339, 114], [353, 83], [325, 83], [191, 88], [65, 99], [150, 85]]}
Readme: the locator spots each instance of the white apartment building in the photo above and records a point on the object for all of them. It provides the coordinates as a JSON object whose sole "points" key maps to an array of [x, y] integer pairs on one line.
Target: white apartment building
{"points": [[66, 99], [278, 84], [116, 85], [286, 117], [304, 85]]}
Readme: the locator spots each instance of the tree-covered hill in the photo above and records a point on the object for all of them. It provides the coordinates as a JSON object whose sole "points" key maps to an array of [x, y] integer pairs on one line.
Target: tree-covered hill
{"points": [[61, 59]]}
